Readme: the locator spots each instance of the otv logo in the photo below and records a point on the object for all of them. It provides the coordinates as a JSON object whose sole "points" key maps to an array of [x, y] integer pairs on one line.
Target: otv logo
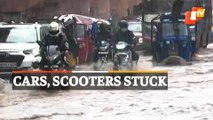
{"points": [[195, 15]]}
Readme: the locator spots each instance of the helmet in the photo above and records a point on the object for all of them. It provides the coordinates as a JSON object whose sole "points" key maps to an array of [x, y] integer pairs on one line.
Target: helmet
{"points": [[102, 27], [54, 28], [123, 25]]}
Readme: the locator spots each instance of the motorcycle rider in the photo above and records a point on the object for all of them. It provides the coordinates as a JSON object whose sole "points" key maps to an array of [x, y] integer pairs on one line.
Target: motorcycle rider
{"points": [[123, 34], [56, 37], [71, 36], [103, 34]]}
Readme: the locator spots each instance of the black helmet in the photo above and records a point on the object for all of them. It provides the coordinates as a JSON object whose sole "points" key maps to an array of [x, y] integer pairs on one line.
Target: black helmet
{"points": [[102, 27], [123, 24]]}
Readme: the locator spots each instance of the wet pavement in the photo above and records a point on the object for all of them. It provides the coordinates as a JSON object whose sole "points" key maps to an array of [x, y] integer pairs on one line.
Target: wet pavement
{"points": [[190, 97]]}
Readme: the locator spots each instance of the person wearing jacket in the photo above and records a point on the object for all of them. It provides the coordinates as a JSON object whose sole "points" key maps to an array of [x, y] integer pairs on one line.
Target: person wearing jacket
{"points": [[103, 34], [55, 37], [123, 34]]}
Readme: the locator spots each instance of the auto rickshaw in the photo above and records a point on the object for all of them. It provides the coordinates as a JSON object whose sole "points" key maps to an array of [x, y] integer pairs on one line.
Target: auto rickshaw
{"points": [[83, 35], [170, 37]]}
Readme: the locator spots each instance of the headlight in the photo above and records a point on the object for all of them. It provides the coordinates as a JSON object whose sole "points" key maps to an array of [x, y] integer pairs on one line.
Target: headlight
{"points": [[103, 42], [120, 46], [167, 42], [34, 51]]}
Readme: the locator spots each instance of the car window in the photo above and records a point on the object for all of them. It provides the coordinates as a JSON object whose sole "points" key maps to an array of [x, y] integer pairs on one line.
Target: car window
{"points": [[170, 29], [18, 35], [135, 27]]}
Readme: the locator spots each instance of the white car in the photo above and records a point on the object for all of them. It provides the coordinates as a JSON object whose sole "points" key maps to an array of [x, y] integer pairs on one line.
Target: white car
{"points": [[18, 46]]}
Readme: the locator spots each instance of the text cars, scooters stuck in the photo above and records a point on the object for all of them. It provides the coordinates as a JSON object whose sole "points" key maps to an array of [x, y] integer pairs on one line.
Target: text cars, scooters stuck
{"points": [[91, 82]]}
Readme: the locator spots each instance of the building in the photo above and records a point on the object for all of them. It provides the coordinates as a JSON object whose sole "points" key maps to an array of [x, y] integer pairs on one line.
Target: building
{"points": [[22, 10], [16, 10]]}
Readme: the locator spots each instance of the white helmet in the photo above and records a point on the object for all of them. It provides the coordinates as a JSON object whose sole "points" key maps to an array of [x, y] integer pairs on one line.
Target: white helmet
{"points": [[54, 27]]}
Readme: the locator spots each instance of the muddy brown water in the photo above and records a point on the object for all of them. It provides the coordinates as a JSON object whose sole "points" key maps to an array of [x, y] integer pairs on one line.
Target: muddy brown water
{"points": [[190, 97]]}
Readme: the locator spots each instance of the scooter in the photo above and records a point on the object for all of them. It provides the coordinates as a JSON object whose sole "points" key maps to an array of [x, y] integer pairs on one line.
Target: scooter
{"points": [[122, 57]]}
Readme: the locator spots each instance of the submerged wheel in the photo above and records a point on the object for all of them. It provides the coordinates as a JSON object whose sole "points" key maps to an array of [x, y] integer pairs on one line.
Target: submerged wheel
{"points": [[174, 60], [115, 67], [100, 65]]}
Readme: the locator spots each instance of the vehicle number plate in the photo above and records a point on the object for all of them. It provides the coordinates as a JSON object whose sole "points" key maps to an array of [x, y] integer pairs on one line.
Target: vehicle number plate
{"points": [[103, 53], [7, 65]]}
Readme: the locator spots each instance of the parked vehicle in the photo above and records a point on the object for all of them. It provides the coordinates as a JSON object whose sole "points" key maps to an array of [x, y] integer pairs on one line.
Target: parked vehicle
{"points": [[171, 37], [122, 57], [152, 8], [82, 35], [18, 47], [136, 28]]}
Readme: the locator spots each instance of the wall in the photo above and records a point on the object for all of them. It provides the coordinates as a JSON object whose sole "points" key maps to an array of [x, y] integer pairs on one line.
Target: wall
{"points": [[100, 8], [45, 8]]}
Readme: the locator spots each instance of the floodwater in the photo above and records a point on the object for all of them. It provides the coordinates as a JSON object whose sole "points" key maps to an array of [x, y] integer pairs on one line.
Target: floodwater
{"points": [[189, 97]]}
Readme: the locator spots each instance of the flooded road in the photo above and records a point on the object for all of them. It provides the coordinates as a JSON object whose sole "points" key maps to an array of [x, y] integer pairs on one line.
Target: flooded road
{"points": [[190, 97]]}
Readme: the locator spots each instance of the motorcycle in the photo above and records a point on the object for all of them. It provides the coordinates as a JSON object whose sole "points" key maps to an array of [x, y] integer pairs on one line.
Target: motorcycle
{"points": [[123, 56], [103, 54], [54, 59]]}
